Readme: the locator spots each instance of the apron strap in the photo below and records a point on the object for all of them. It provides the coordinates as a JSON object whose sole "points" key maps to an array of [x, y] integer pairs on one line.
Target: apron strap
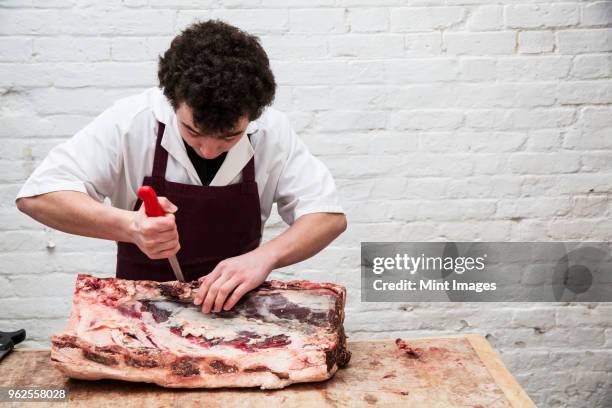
{"points": [[248, 172], [161, 155]]}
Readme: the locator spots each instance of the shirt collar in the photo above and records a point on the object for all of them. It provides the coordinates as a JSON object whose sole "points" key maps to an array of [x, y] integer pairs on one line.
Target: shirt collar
{"points": [[237, 157]]}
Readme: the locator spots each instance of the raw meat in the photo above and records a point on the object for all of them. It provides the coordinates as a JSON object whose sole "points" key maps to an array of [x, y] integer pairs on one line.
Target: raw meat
{"points": [[279, 334]]}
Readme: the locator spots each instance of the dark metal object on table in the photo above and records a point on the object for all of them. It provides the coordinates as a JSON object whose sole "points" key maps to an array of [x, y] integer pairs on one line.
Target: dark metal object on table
{"points": [[9, 339]]}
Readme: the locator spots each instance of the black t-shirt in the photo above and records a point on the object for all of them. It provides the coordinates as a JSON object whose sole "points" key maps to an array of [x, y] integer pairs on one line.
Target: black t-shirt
{"points": [[206, 168]]}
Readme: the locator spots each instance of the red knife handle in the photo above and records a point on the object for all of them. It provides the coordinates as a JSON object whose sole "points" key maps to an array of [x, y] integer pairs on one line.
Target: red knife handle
{"points": [[149, 198]]}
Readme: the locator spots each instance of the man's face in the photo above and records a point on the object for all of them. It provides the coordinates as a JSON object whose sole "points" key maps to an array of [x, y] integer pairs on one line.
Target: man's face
{"points": [[209, 145]]}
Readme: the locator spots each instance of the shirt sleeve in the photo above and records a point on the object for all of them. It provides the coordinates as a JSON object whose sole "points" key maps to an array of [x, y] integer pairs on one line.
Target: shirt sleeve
{"points": [[305, 184], [89, 162]]}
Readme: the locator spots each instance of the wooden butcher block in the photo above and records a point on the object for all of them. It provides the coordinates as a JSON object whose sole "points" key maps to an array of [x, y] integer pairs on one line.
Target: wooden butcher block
{"points": [[432, 372]]}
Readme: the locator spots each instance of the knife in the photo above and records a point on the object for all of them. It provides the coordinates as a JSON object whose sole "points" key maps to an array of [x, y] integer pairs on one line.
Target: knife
{"points": [[8, 341], [153, 209]]}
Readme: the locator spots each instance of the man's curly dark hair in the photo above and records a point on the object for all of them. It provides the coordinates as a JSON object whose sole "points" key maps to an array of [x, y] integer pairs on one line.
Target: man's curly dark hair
{"points": [[221, 72]]}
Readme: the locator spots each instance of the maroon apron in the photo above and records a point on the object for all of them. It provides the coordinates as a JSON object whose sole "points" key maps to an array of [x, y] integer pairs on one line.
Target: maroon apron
{"points": [[214, 223]]}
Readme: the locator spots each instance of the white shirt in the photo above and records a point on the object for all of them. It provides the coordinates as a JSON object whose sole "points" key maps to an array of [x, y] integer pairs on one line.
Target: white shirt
{"points": [[111, 156]]}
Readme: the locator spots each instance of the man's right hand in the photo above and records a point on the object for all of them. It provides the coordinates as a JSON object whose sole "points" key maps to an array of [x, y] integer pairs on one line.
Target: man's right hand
{"points": [[157, 237]]}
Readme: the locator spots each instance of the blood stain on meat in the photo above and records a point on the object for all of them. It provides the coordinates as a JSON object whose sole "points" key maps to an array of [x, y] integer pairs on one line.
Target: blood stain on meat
{"points": [[129, 311], [256, 369], [159, 315], [65, 342], [99, 358], [141, 362], [220, 367], [278, 340], [184, 367], [250, 334], [112, 349], [170, 291]]}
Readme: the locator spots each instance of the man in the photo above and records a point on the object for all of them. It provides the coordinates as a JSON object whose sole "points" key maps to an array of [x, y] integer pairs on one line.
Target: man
{"points": [[218, 156]]}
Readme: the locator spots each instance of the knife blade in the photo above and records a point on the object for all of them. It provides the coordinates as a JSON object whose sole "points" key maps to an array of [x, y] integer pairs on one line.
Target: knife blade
{"points": [[153, 209]]}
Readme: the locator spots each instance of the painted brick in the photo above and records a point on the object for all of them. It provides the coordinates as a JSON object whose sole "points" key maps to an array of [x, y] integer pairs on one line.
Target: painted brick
{"points": [[542, 15], [486, 43], [592, 66], [536, 42], [323, 20], [425, 18], [15, 49], [63, 49], [368, 19], [486, 18], [367, 46], [596, 13], [584, 41]]}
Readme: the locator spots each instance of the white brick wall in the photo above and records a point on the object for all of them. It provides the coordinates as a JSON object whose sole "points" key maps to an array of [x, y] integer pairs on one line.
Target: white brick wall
{"points": [[440, 119]]}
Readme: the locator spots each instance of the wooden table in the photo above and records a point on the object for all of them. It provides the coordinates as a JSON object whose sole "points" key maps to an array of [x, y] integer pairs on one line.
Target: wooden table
{"points": [[435, 372]]}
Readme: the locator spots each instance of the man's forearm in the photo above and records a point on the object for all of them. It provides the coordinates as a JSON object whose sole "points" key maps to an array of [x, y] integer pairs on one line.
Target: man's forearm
{"points": [[77, 213], [308, 235]]}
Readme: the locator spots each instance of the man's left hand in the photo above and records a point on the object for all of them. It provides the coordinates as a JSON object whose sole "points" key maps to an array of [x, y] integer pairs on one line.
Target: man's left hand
{"points": [[231, 279]]}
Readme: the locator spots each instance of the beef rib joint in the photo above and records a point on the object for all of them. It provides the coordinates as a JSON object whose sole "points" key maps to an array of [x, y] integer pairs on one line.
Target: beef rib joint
{"points": [[279, 334]]}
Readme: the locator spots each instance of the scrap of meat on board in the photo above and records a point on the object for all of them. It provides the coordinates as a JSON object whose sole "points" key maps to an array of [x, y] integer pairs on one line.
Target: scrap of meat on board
{"points": [[279, 334]]}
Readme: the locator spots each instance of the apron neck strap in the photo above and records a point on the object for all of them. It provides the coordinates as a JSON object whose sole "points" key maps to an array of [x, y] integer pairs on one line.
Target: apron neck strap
{"points": [[248, 172], [161, 155]]}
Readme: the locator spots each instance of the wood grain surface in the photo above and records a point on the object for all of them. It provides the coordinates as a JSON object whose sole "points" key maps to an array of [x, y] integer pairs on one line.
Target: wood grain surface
{"points": [[440, 372]]}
